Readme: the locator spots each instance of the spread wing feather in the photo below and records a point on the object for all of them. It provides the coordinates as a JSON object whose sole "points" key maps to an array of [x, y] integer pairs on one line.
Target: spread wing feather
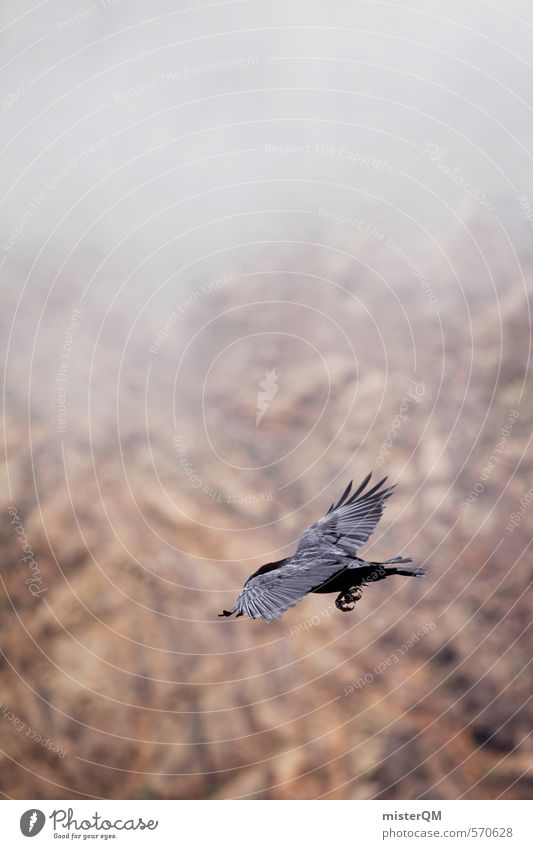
{"points": [[267, 596], [349, 523]]}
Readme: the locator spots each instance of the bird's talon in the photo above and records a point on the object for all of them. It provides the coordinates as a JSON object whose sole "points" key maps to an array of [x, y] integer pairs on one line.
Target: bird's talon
{"points": [[346, 601]]}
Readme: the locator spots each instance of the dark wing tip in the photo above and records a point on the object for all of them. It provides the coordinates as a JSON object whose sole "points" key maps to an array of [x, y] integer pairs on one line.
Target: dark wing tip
{"points": [[360, 493], [341, 500], [376, 487], [361, 487], [344, 495]]}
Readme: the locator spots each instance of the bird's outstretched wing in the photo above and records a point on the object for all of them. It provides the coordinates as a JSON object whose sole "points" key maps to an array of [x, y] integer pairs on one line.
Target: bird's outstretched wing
{"points": [[267, 596], [349, 523]]}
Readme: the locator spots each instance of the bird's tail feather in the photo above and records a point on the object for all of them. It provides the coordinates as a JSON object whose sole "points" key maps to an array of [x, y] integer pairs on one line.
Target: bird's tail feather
{"points": [[397, 559], [412, 571]]}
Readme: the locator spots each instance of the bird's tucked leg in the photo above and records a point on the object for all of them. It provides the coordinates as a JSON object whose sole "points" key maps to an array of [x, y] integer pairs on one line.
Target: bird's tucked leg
{"points": [[346, 601]]}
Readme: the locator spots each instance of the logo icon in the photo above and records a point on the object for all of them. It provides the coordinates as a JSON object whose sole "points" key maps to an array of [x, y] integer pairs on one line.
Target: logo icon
{"points": [[269, 389], [32, 822]]}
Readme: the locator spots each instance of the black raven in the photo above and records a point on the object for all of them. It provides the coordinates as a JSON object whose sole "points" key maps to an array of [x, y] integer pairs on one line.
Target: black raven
{"points": [[325, 560]]}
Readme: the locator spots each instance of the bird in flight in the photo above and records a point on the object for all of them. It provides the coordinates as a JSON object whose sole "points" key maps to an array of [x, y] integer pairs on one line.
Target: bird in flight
{"points": [[325, 560]]}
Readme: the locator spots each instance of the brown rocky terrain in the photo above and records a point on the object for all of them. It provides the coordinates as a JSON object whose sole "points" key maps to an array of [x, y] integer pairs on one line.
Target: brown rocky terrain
{"points": [[121, 661]]}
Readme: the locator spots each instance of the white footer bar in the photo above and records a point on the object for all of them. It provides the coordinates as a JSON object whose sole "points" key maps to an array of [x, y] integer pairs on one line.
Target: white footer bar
{"points": [[268, 824]]}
